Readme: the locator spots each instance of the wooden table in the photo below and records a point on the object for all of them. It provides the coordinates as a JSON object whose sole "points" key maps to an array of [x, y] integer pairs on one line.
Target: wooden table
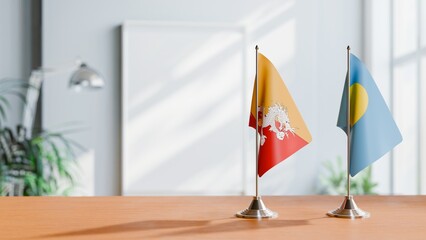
{"points": [[392, 217]]}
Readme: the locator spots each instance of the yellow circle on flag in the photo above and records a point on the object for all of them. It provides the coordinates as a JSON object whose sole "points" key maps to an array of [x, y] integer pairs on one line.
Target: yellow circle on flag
{"points": [[359, 102]]}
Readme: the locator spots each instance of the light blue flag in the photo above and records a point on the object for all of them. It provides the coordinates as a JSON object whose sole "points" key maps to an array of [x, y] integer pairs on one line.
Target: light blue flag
{"points": [[373, 130]]}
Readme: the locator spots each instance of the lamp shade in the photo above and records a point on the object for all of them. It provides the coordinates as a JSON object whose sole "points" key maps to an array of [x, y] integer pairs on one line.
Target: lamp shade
{"points": [[86, 78]]}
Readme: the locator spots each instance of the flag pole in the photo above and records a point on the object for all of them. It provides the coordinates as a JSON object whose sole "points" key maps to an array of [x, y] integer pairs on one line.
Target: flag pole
{"points": [[348, 122], [257, 126], [257, 208], [348, 209]]}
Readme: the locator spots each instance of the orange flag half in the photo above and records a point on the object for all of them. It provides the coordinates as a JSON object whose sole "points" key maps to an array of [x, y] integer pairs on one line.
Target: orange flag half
{"points": [[281, 127]]}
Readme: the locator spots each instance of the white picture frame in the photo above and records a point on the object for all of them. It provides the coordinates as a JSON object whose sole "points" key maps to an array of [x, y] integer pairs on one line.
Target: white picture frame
{"points": [[206, 61]]}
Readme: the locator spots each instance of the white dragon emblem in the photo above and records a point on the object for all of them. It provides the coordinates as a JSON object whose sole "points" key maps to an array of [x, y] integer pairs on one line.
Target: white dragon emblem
{"points": [[276, 113]]}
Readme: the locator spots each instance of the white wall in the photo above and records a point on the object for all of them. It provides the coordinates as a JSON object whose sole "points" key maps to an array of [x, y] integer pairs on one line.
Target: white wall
{"points": [[305, 39], [15, 48]]}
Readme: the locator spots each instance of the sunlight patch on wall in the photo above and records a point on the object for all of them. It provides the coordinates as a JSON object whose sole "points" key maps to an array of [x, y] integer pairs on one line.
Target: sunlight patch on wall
{"points": [[216, 44], [266, 12]]}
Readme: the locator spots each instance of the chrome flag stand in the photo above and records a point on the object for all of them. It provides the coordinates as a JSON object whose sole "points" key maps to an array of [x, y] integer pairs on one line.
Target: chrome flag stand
{"points": [[257, 208], [348, 209]]}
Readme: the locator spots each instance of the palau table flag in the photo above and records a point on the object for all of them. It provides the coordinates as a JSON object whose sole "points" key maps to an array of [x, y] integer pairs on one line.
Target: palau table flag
{"points": [[373, 129], [280, 124], [369, 126]]}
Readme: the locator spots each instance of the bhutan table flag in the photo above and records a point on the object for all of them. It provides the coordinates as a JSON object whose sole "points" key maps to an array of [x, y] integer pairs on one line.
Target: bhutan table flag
{"points": [[373, 131], [280, 125]]}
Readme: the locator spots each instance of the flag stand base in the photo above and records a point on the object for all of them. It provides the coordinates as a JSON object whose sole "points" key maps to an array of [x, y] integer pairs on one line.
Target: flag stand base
{"points": [[348, 209], [257, 209]]}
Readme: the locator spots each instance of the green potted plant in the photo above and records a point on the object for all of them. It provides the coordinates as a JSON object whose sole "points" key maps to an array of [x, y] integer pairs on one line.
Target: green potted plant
{"points": [[333, 181], [33, 166]]}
